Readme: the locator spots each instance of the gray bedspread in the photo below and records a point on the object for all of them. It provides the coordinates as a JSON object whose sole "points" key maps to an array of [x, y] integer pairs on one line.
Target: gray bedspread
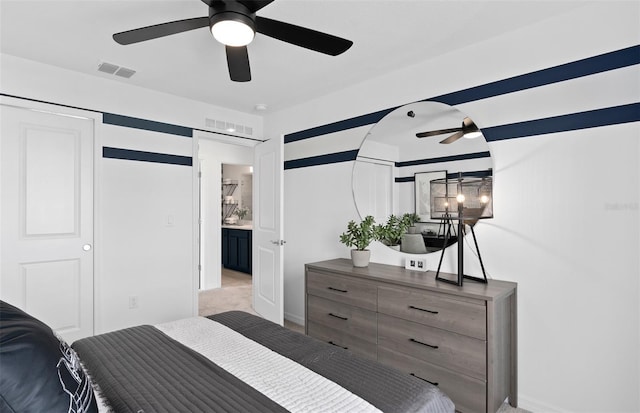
{"points": [[142, 370]]}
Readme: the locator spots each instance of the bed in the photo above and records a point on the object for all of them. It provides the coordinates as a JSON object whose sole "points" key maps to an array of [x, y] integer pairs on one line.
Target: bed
{"points": [[228, 362]]}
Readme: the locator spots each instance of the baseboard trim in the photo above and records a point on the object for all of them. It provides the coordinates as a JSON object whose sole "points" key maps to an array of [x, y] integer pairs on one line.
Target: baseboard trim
{"points": [[533, 405], [294, 318]]}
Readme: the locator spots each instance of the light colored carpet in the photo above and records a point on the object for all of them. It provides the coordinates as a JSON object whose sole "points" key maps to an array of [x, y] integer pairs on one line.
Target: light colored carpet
{"points": [[235, 294], [225, 299]]}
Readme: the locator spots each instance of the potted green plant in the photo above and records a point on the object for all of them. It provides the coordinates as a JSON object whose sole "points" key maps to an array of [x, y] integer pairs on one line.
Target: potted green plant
{"points": [[409, 220], [390, 233], [360, 236], [241, 213]]}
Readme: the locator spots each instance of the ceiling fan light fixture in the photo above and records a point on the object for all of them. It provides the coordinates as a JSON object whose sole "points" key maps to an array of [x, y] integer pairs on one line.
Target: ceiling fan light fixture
{"points": [[470, 129], [232, 29], [472, 134]]}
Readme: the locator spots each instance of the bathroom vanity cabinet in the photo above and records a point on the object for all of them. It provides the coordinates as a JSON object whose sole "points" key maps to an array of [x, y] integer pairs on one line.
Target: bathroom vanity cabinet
{"points": [[236, 249]]}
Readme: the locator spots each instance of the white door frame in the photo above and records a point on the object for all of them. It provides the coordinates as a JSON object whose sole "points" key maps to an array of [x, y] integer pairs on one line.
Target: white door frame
{"points": [[209, 248]]}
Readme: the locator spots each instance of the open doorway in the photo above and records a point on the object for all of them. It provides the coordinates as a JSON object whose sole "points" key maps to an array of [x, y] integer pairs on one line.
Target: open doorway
{"points": [[236, 220], [212, 154], [267, 243]]}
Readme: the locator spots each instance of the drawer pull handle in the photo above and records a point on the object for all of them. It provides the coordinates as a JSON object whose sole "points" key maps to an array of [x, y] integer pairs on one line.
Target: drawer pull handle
{"points": [[423, 309], [337, 345], [413, 340], [337, 289], [337, 316], [435, 383]]}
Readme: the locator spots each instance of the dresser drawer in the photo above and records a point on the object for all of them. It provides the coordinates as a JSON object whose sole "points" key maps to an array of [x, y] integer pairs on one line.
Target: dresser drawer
{"points": [[346, 290], [452, 351], [342, 339], [352, 320], [464, 316], [468, 394]]}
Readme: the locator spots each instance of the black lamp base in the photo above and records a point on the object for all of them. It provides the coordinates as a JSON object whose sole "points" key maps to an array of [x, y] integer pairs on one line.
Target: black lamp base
{"points": [[461, 276]]}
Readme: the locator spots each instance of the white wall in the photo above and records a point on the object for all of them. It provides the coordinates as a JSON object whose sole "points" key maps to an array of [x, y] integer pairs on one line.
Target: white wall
{"points": [[146, 238], [566, 204]]}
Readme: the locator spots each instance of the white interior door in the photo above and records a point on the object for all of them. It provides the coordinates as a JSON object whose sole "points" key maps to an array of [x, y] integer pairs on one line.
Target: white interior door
{"points": [[46, 249], [267, 230]]}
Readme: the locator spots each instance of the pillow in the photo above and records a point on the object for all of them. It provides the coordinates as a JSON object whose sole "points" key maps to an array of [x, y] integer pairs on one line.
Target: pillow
{"points": [[40, 372]]}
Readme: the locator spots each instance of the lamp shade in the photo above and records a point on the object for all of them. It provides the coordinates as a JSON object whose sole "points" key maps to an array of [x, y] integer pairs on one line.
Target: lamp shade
{"points": [[467, 198]]}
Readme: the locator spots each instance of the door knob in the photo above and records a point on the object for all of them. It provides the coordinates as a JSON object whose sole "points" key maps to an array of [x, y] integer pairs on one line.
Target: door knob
{"points": [[86, 247], [278, 242]]}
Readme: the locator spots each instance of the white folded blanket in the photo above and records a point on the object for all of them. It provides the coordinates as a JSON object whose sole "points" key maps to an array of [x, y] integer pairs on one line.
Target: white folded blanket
{"points": [[286, 382]]}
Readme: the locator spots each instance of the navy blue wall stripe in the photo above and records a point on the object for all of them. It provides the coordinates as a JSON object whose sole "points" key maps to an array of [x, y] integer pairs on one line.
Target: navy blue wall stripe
{"points": [[351, 156], [453, 175], [321, 159], [150, 125], [574, 121], [475, 174], [461, 157], [592, 65], [584, 67], [131, 155], [562, 123], [368, 119], [402, 179]]}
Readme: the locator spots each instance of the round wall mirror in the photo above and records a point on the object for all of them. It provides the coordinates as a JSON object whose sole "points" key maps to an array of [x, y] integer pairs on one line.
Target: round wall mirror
{"points": [[399, 158]]}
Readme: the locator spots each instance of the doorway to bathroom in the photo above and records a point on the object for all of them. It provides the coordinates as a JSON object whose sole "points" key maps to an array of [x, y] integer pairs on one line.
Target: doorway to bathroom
{"points": [[265, 219], [236, 241]]}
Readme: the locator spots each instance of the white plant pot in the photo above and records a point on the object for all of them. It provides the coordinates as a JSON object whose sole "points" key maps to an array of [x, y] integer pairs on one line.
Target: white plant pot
{"points": [[360, 258]]}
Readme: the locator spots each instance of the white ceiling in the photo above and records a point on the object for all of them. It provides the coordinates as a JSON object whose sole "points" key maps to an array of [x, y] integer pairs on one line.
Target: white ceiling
{"points": [[387, 35]]}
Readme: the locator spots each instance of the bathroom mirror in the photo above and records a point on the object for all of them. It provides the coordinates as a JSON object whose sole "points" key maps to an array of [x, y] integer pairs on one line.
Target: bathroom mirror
{"points": [[393, 167]]}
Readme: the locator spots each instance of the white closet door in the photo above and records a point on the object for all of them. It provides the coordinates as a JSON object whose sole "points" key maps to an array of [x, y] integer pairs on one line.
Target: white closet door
{"points": [[46, 249]]}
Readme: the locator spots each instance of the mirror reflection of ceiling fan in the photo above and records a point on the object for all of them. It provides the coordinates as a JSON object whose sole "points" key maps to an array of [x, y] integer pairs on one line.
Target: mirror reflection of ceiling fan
{"points": [[468, 130], [234, 23]]}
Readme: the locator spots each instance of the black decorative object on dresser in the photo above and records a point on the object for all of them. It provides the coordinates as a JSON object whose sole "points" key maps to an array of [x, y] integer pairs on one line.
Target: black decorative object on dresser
{"points": [[461, 338]]}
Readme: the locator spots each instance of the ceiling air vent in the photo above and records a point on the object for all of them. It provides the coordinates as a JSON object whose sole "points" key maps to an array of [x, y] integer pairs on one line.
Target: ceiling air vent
{"points": [[124, 72], [107, 68], [228, 127], [112, 69]]}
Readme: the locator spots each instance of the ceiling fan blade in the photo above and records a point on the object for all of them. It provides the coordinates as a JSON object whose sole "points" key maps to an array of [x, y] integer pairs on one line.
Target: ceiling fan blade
{"points": [[160, 30], [453, 137], [238, 63], [212, 3], [436, 132], [255, 5], [302, 36]]}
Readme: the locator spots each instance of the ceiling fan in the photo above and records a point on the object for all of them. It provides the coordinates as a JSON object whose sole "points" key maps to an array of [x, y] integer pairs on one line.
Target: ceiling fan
{"points": [[234, 24], [468, 130]]}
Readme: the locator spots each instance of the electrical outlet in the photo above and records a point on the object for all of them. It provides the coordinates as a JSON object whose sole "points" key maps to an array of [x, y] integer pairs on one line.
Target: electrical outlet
{"points": [[133, 302], [415, 264]]}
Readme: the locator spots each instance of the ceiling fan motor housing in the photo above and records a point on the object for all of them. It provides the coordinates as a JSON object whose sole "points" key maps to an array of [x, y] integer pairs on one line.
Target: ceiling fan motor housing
{"points": [[232, 11]]}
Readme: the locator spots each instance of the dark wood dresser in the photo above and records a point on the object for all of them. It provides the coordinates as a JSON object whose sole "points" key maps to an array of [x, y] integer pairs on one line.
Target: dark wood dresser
{"points": [[463, 339]]}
